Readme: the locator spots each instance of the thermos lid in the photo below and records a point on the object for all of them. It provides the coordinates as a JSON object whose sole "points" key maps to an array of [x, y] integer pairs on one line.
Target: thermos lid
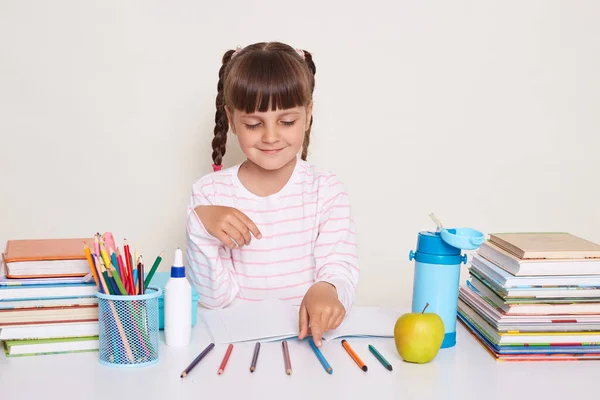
{"points": [[444, 246], [432, 243], [463, 238]]}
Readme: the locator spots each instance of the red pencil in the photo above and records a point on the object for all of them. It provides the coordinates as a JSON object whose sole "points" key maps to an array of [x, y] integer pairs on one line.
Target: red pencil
{"points": [[129, 266], [225, 359], [123, 271]]}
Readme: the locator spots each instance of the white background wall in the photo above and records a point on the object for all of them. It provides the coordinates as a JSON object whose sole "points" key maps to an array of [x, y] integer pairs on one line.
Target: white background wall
{"points": [[485, 112]]}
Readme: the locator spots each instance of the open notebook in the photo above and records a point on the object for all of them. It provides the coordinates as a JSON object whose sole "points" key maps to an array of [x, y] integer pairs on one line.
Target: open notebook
{"points": [[276, 320]]}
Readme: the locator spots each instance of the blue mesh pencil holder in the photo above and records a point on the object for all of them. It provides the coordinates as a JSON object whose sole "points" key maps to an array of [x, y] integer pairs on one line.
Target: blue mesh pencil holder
{"points": [[128, 328]]}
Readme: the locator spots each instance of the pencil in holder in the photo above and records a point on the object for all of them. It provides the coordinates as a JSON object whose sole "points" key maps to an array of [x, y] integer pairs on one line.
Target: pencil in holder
{"points": [[128, 328]]}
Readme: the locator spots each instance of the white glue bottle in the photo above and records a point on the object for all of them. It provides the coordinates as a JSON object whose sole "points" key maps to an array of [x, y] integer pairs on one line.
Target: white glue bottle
{"points": [[178, 305]]}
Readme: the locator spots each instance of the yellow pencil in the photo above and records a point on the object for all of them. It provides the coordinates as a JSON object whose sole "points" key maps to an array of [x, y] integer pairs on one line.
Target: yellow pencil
{"points": [[105, 257]]}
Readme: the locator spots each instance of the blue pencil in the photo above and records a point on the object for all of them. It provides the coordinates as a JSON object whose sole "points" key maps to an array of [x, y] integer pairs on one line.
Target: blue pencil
{"points": [[320, 356]]}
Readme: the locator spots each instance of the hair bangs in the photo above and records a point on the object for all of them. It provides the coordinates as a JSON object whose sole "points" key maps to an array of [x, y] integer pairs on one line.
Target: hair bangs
{"points": [[263, 80]]}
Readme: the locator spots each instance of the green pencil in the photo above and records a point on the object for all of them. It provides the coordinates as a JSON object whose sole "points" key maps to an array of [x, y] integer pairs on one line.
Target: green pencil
{"points": [[118, 281], [381, 359], [152, 270], [108, 285]]}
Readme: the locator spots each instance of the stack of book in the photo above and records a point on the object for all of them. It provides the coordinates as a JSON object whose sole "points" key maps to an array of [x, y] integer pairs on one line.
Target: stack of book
{"points": [[47, 301], [534, 296]]}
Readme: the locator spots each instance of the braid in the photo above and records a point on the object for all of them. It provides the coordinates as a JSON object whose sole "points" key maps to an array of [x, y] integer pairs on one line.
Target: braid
{"points": [[221, 123], [313, 69]]}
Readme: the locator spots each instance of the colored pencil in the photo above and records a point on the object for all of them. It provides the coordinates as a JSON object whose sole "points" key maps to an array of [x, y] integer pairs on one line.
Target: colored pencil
{"points": [[110, 284], [97, 270], [128, 278], [88, 255], [225, 359], [381, 359], [129, 266], [286, 358], [136, 260], [118, 280], [153, 270], [320, 356], [354, 356], [255, 357], [109, 289], [100, 275], [104, 255], [111, 304], [122, 271], [197, 360], [140, 275], [113, 285], [96, 244], [115, 263]]}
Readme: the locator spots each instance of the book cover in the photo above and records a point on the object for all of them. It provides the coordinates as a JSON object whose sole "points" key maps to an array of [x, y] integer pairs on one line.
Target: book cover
{"points": [[46, 249], [45, 258], [546, 245], [50, 346]]}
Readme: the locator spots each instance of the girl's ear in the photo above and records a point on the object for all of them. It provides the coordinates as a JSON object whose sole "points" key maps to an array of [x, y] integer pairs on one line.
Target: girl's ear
{"points": [[230, 119]]}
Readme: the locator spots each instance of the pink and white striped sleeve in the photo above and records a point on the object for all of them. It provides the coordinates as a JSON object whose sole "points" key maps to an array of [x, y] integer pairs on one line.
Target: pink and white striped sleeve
{"points": [[209, 261], [335, 248]]}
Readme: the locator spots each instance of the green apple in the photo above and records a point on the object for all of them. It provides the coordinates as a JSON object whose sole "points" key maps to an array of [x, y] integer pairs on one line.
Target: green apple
{"points": [[419, 336]]}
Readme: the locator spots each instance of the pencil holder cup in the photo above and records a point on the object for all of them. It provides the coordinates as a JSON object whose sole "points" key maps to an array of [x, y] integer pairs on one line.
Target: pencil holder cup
{"points": [[128, 329]]}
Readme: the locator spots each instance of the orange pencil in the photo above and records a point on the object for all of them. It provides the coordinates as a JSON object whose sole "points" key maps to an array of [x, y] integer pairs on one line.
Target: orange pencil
{"points": [[88, 255], [225, 359], [354, 356]]}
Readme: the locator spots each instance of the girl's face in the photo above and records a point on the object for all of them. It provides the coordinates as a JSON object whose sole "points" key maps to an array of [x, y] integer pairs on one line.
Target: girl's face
{"points": [[271, 139]]}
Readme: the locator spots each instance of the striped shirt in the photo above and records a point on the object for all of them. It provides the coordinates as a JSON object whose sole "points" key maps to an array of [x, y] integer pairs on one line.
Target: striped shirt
{"points": [[308, 235]]}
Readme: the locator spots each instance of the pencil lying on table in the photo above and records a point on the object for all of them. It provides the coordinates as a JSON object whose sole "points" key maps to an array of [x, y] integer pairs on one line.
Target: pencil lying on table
{"points": [[379, 357], [197, 360], [255, 357], [225, 359], [354, 356], [320, 356], [286, 358]]}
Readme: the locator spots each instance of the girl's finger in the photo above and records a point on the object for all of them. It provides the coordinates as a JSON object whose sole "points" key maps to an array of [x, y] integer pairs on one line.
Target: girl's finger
{"points": [[249, 224], [226, 240], [302, 322], [316, 327], [336, 320], [242, 228], [234, 234]]}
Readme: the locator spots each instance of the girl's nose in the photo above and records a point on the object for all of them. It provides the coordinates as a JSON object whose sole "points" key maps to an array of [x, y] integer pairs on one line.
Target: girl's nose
{"points": [[270, 135]]}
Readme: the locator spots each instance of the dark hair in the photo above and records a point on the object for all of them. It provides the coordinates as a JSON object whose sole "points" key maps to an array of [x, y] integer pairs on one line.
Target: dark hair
{"points": [[260, 75]]}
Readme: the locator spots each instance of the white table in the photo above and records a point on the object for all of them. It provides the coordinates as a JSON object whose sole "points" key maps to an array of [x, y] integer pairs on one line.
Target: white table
{"points": [[465, 371]]}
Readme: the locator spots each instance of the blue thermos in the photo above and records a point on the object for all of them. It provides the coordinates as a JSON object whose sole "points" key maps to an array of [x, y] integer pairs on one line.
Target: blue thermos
{"points": [[437, 273]]}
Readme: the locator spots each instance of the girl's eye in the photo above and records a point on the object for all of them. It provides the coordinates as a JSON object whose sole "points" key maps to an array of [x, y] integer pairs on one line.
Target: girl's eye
{"points": [[288, 123], [252, 126]]}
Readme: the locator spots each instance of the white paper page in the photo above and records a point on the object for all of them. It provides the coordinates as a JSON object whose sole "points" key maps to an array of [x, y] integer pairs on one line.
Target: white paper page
{"points": [[366, 322], [267, 320]]}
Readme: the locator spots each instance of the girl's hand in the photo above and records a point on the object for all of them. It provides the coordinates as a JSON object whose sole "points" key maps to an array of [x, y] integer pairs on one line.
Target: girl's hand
{"points": [[322, 309], [231, 226]]}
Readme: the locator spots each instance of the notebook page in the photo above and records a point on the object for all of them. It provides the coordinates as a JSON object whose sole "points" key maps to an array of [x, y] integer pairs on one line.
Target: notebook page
{"points": [[267, 320], [366, 322]]}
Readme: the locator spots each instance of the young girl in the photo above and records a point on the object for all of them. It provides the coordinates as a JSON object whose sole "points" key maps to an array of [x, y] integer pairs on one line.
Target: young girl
{"points": [[274, 226]]}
